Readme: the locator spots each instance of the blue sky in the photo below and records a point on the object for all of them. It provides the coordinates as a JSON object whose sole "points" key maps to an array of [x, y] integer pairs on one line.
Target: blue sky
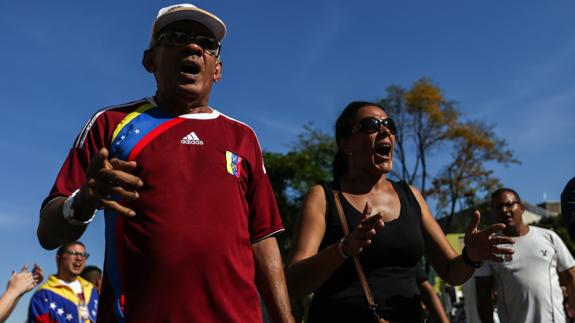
{"points": [[285, 64]]}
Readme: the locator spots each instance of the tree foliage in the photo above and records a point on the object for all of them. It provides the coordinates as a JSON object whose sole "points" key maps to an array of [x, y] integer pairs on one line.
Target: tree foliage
{"points": [[424, 119], [428, 121], [474, 144], [292, 174]]}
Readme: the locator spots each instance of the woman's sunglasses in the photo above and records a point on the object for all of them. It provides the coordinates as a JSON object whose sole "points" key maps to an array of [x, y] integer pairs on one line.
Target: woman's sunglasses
{"points": [[371, 124]]}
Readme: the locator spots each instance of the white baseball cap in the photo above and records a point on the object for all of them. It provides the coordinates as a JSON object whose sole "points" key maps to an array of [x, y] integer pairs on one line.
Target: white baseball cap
{"points": [[186, 11]]}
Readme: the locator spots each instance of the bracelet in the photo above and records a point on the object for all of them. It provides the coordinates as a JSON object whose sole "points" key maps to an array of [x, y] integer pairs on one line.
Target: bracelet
{"points": [[68, 211], [468, 261], [340, 249]]}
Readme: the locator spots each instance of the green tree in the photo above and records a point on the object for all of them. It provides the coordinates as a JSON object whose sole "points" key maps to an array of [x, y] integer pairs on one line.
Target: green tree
{"points": [[474, 144], [292, 174], [424, 120]]}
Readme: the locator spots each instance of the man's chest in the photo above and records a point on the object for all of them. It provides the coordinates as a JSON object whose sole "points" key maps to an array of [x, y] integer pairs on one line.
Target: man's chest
{"points": [[532, 258]]}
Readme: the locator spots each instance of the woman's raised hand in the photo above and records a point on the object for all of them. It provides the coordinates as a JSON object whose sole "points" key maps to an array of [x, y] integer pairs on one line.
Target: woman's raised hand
{"points": [[484, 244], [361, 236]]}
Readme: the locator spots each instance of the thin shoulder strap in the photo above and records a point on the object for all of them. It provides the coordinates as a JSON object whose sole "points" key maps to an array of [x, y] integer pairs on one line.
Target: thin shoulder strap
{"points": [[358, 268]]}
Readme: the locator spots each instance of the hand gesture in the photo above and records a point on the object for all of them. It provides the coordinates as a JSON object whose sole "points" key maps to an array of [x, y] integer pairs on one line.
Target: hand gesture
{"points": [[21, 282], [361, 236], [108, 178], [38, 274], [484, 244]]}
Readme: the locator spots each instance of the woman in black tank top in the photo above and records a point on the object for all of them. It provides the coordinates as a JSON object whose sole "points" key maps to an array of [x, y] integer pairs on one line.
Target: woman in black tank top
{"points": [[390, 225]]}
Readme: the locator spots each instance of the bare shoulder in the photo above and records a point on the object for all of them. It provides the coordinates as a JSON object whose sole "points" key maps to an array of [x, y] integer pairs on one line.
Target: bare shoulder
{"points": [[315, 198], [416, 192]]}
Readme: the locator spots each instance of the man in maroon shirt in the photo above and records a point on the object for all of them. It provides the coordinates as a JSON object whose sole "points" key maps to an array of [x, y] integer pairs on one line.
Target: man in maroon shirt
{"points": [[190, 214]]}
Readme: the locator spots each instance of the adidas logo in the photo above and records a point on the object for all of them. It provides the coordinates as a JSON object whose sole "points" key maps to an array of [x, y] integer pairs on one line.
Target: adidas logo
{"points": [[191, 139]]}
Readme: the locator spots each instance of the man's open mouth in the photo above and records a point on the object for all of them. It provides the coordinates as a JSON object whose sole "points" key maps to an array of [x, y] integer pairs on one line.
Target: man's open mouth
{"points": [[190, 67]]}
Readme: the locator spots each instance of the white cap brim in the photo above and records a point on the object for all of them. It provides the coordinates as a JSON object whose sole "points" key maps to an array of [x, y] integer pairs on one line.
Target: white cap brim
{"points": [[179, 12]]}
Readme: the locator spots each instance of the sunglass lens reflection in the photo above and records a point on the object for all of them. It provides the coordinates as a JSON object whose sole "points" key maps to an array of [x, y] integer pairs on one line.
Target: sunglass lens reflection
{"points": [[371, 125]]}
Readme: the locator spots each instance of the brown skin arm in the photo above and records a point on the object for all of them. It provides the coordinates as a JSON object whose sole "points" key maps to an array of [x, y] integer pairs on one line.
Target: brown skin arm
{"points": [[441, 255], [483, 290], [270, 279], [567, 277], [103, 178], [481, 245], [308, 269], [432, 302]]}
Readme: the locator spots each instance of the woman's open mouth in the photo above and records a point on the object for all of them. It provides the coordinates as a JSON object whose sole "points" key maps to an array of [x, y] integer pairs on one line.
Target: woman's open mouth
{"points": [[383, 150]]}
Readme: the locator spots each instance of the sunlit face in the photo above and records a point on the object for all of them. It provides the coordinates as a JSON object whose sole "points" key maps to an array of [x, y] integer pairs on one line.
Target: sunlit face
{"points": [[72, 260], [370, 151], [184, 72], [508, 210]]}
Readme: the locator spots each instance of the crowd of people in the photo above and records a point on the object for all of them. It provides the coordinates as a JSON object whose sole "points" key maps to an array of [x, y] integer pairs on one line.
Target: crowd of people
{"points": [[191, 219]]}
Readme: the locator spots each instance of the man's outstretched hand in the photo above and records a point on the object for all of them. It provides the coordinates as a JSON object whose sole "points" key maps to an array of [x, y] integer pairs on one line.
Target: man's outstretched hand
{"points": [[108, 183]]}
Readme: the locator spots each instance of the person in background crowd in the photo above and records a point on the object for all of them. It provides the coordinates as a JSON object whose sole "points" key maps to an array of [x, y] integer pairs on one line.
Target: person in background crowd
{"points": [[66, 295], [435, 311], [527, 285], [568, 207], [190, 215], [19, 284], [93, 274]]}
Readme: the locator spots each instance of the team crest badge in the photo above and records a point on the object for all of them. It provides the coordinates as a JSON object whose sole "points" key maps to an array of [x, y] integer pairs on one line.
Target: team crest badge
{"points": [[233, 164]]}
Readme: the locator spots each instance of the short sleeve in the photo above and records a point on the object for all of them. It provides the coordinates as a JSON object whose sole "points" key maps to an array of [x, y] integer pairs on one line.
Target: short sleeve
{"points": [[484, 271], [265, 220], [564, 258]]}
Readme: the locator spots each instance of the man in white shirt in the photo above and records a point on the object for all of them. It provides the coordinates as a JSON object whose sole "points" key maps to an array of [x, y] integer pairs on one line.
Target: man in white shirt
{"points": [[527, 284]]}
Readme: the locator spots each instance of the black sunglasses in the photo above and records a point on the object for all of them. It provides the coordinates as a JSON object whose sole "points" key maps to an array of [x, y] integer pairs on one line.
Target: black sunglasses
{"points": [[179, 39], [371, 124]]}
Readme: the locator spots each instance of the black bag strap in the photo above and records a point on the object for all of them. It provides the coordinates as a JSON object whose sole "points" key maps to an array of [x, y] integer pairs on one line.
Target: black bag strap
{"points": [[366, 290]]}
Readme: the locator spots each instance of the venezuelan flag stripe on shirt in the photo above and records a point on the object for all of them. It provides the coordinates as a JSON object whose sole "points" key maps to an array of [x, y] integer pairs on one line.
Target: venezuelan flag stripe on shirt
{"points": [[131, 135], [138, 129]]}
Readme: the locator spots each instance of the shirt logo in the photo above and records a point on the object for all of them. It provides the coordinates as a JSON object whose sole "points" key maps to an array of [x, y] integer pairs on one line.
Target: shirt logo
{"points": [[544, 253], [233, 164], [191, 139]]}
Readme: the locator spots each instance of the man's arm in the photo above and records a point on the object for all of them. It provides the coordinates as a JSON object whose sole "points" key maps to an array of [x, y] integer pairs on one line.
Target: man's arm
{"points": [[270, 279], [567, 277], [103, 178], [484, 288]]}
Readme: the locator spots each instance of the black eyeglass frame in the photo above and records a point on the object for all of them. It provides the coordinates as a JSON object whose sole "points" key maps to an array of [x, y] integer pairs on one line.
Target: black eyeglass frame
{"points": [[77, 253], [170, 38], [370, 125], [507, 205]]}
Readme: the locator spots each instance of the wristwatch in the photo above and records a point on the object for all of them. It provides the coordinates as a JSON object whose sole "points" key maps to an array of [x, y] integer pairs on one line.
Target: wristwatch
{"points": [[68, 211]]}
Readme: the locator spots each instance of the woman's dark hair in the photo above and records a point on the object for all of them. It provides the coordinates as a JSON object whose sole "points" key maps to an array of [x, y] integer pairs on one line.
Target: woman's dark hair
{"points": [[343, 129]]}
